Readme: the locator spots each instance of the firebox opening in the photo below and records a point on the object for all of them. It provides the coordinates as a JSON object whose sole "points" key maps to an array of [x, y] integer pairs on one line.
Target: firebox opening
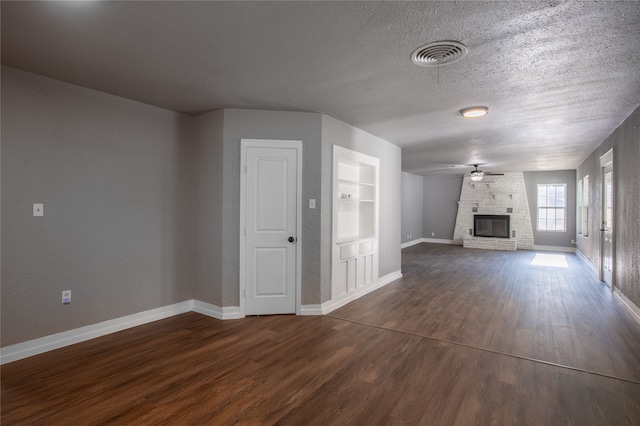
{"points": [[491, 225]]}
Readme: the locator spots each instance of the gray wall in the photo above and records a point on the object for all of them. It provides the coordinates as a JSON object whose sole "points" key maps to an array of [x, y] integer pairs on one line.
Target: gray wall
{"points": [[142, 204], [412, 216], [253, 124], [116, 180], [625, 141], [208, 207], [441, 196], [531, 181], [335, 132]]}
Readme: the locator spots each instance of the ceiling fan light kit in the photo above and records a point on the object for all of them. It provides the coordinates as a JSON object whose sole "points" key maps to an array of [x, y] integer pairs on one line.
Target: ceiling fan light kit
{"points": [[474, 112], [477, 175]]}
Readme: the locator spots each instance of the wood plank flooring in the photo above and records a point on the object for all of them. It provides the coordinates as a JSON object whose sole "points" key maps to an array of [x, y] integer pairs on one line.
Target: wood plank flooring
{"points": [[499, 301], [448, 344]]}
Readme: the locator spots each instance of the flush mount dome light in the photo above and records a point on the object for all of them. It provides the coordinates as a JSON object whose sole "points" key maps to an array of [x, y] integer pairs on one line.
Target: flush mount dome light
{"points": [[474, 112], [439, 53]]}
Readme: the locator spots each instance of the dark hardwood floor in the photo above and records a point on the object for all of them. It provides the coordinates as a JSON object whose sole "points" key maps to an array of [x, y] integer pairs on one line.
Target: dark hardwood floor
{"points": [[466, 337], [499, 301]]}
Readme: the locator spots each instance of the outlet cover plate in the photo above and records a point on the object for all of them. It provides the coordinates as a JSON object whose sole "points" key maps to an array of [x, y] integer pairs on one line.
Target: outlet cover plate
{"points": [[38, 209]]}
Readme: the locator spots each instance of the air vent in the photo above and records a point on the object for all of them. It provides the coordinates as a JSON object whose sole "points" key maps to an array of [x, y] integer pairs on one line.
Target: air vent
{"points": [[439, 53]]}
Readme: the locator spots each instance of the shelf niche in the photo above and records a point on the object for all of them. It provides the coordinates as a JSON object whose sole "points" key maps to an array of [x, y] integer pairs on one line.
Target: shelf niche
{"points": [[355, 222]]}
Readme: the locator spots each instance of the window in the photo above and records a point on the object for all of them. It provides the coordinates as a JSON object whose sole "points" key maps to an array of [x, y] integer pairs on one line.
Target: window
{"points": [[579, 205], [551, 207], [585, 207]]}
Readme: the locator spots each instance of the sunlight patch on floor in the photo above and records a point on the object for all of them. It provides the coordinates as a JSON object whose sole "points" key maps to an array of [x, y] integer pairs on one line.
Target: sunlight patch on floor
{"points": [[545, 259]]}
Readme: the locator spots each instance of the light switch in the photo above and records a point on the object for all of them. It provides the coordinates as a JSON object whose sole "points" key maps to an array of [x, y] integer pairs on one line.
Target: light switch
{"points": [[312, 203], [38, 209]]}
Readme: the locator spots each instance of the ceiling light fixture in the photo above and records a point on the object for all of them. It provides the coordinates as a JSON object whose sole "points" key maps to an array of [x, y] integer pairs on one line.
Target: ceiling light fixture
{"points": [[474, 112], [476, 175]]}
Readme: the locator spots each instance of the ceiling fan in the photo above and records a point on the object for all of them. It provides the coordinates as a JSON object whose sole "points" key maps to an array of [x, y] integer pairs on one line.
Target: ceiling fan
{"points": [[477, 175]]}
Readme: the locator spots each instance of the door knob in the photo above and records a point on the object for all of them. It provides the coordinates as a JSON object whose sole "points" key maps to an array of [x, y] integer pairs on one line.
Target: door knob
{"points": [[291, 239]]}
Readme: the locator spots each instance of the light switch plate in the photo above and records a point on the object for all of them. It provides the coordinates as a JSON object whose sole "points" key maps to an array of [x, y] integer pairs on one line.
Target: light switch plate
{"points": [[38, 209], [312, 203]]}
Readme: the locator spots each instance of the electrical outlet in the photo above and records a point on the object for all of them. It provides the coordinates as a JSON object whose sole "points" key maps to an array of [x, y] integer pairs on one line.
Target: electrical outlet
{"points": [[38, 209], [66, 297], [433, 234]]}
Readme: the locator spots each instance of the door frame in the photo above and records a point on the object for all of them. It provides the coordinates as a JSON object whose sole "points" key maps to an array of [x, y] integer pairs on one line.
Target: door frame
{"points": [[269, 143], [605, 161]]}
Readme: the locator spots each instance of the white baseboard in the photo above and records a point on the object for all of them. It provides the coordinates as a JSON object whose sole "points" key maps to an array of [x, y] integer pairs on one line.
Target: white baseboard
{"points": [[628, 305], [555, 248], [214, 311], [588, 263], [425, 240], [411, 243], [70, 337], [437, 241], [311, 310], [389, 278], [332, 305]]}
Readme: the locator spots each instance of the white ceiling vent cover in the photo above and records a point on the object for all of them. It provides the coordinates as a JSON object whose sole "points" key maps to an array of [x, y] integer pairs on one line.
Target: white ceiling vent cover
{"points": [[439, 53]]}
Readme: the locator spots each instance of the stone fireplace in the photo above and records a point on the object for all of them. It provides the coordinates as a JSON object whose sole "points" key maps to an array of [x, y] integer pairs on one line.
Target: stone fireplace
{"points": [[498, 196]]}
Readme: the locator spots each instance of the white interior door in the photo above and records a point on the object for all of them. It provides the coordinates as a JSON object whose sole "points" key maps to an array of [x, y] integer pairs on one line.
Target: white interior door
{"points": [[271, 227], [607, 226]]}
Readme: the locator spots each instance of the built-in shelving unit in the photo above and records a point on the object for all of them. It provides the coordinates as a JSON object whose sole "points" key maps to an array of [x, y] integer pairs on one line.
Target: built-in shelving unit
{"points": [[355, 221]]}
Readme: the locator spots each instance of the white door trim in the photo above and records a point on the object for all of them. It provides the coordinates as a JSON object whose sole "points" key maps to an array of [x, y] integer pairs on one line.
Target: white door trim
{"points": [[606, 160], [269, 143]]}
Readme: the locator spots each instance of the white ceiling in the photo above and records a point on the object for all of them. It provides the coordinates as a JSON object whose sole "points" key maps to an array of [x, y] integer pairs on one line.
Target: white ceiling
{"points": [[558, 77]]}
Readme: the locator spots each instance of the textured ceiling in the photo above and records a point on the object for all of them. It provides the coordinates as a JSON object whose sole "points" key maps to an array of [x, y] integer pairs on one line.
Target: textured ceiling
{"points": [[558, 77]]}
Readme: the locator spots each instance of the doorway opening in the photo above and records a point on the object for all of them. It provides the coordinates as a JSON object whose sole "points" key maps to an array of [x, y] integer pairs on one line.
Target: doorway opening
{"points": [[607, 214]]}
